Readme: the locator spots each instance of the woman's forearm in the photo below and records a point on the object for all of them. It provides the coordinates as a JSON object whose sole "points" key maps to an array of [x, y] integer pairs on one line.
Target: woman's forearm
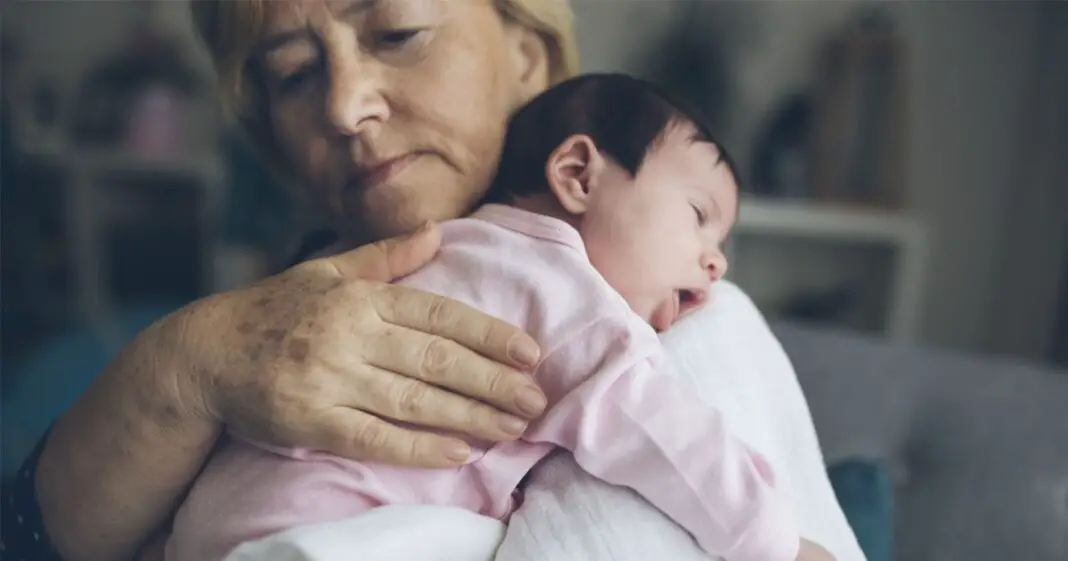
{"points": [[120, 458]]}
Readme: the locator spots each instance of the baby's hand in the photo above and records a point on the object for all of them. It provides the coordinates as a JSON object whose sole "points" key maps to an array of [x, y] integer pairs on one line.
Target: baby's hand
{"points": [[812, 552]]}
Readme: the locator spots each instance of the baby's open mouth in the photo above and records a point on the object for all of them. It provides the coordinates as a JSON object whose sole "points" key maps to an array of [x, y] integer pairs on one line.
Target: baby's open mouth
{"points": [[689, 299]]}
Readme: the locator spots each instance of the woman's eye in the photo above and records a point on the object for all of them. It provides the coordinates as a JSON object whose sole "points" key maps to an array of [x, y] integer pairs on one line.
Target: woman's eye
{"points": [[296, 80], [396, 38], [701, 216]]}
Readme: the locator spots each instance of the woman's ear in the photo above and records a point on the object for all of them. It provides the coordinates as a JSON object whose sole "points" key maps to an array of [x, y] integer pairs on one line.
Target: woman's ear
{"points": [[529, 60], [571, 172]]}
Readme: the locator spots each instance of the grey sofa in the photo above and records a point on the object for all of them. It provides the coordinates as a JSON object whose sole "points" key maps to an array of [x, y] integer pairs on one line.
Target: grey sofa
{"points": [[978, 447]]}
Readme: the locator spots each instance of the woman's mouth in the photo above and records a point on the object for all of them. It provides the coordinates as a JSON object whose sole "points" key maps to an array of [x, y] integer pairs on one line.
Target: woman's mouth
{"points": [[373, 173]]}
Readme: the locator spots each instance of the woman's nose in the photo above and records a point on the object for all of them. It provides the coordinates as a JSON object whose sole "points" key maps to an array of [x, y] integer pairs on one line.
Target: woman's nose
{"points": [[355, 102]]}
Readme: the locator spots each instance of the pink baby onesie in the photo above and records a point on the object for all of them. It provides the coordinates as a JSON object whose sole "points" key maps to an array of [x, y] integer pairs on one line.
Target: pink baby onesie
{"points": [[612, 403]]}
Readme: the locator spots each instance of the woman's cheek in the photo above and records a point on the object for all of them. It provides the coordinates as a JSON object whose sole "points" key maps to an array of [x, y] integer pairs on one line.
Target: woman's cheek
{"points": [[306, 150], [318, 163]]}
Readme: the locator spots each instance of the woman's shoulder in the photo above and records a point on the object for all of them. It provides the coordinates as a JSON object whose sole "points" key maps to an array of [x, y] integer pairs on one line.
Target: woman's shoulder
{"points": [[22, 530]]}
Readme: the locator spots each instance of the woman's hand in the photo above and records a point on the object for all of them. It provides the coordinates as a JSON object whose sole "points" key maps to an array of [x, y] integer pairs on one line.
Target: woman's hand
{"points": [[328, 356]]}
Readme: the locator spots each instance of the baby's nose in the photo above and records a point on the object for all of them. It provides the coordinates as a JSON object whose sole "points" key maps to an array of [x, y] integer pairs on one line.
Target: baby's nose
{"points": [[715, 262]]}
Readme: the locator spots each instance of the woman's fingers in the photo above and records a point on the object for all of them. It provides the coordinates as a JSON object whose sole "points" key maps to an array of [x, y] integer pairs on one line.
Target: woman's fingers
{"points": [[405, 355], [389, 259], [448, 364], [437, 315], [412, 401], [360, 436]]}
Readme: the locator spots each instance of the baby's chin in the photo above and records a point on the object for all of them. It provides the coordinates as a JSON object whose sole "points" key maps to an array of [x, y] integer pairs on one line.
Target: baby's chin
{"points": [[663, 317]]}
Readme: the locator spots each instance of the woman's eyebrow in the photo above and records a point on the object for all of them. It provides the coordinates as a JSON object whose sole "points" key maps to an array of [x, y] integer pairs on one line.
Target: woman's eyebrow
{"points": [[280, 39], [359, 6]]}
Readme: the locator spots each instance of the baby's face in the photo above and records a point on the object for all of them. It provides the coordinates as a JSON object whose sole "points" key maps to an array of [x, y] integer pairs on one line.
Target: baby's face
{"points": [[657, 238]]}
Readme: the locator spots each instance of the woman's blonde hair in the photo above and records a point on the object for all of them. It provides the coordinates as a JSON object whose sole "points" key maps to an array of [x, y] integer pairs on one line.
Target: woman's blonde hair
{"points": [[231, 28]]}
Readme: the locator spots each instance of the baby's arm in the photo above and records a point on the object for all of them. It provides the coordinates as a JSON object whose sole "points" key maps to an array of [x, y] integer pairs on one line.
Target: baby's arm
{"points": [[631, 425]]}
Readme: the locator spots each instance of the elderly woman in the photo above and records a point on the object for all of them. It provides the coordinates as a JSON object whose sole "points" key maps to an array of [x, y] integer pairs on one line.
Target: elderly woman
{"points": [[389, 114]]}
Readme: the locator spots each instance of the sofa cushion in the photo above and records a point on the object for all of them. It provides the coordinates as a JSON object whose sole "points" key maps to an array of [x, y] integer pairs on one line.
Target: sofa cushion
{"points": [[866, 493], [975, 445]]}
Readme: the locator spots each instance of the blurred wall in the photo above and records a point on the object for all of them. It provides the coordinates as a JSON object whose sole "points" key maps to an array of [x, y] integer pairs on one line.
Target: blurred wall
{"points": [[1036, 240], [973, 69], [63, 40], [972, 72], [971, 75], [90, 30]]}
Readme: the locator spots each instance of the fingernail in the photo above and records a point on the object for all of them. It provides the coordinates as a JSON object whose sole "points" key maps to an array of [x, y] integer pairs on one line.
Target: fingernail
{"points": [[511, 425], [524, 351], [530, 401], [457, 451]]}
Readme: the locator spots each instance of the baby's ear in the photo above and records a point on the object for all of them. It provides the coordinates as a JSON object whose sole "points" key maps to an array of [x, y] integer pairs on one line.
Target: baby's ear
{"points": [[570, 172]]}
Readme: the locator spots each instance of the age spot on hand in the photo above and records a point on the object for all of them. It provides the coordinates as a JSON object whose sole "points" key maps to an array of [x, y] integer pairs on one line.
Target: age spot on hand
{"points": [[298, 350], [274, 335]]}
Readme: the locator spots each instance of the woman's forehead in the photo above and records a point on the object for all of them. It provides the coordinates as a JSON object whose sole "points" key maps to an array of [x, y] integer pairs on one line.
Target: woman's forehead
{"points": [[288, 20], [289, 13], [295, 13]]}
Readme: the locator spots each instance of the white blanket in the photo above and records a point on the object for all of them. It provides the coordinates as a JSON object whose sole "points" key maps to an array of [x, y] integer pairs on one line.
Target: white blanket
{"points": [[735, 363]]}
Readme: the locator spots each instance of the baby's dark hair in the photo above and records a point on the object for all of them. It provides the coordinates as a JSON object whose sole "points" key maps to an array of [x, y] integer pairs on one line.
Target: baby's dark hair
{"points": [[625, 117]]}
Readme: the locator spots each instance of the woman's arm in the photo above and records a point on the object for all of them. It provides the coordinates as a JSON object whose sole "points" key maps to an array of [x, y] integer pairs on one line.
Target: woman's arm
{"points": [[315, 357], [116, 463]]}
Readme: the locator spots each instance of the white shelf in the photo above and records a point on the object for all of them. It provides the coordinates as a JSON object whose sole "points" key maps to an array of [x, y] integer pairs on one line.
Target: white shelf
{"points": [[845, 225], [825, 222]]}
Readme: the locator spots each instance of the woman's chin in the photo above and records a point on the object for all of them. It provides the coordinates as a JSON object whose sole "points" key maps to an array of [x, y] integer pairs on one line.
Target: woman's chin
{"points": [[398, 209]]}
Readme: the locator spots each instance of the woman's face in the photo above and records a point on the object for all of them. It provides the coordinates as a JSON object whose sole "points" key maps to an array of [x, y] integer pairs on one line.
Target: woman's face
{"points": [[392, 111]]}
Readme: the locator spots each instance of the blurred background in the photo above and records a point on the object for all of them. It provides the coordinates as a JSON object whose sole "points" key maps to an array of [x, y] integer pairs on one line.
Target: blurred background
{"points": [[906, 172]]}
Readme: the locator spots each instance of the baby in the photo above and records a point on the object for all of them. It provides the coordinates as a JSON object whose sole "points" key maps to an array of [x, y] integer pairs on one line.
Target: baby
{"points": [[605, 224]]}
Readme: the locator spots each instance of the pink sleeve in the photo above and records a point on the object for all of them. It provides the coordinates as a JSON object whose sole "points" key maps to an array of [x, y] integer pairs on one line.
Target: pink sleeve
{"points": [[629, 423]]}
